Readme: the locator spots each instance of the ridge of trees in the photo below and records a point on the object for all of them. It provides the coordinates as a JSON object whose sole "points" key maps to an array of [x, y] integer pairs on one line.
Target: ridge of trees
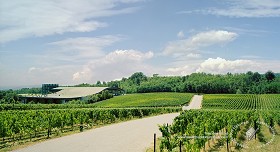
{"points": [[241, 83], [250, 82]]}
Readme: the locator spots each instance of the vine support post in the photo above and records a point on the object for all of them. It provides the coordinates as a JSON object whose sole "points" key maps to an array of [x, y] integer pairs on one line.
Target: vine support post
{"points": [[255, 128], [155, 138], [227, 140], [180, 145], [204, 136]]}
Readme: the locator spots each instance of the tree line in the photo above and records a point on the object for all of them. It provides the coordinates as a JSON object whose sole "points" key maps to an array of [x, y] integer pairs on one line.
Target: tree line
{"points": [[242, 83]]}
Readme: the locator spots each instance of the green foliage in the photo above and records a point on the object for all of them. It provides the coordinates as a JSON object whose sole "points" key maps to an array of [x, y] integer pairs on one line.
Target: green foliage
{"points": [[130, 100], [8, 97], [29, 91], [241, 101], [17, 125], [137, 78], [147, 100], [5, 107], [269, 76], [245, 83], [190, 125], [99, 97], [76, 102], [249, 82], [238, 91]]}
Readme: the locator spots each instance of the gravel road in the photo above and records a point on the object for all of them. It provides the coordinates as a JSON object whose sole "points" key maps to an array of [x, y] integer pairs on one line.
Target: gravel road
{"points": [[195, 103], [130, 136]]}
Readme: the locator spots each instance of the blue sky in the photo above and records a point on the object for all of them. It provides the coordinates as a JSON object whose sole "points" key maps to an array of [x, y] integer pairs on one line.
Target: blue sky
{"points": [[82, 41]]}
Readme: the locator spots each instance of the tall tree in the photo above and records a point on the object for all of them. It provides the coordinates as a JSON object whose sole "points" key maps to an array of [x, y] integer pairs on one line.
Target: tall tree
{"points": [[138, 77], [269, 75]]}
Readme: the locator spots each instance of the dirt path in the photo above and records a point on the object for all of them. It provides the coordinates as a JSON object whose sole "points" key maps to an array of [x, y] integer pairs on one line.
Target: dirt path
{"points": [[195, 103], [130, 136]]}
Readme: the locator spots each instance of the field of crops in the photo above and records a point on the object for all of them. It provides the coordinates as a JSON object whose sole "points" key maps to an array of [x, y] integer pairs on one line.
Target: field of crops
{"points": [[26, 122], [196, 130], [219, 121], [147, 100], [5, 107], [18, 126], [242, 101]]}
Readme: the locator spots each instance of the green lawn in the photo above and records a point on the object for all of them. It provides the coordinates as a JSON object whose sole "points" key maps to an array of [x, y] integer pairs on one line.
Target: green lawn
{"points": [[147, 100]]}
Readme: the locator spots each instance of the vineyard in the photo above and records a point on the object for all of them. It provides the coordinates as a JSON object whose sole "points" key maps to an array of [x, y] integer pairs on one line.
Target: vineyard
{"points": [[196, 130], [242, 102], [5, 107], [147, 100], [126, 101], [17, 127], [21, 123], [218, 123]]}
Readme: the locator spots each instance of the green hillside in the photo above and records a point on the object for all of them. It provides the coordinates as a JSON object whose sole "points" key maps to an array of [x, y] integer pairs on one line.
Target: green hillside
{"points": [[147, 100]]}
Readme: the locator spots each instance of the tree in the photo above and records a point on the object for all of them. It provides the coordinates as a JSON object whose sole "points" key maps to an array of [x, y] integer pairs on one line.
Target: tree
{"points": [[138, 77], [98, 83], [256, 77], [269, 75]]}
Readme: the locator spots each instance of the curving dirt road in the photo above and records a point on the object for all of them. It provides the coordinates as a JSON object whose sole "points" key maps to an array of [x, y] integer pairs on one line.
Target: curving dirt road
{"points": [[130, 136], [195, 103]]}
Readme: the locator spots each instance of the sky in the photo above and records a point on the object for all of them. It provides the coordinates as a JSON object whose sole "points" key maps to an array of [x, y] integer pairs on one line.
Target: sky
{"points": [[82, 41]]}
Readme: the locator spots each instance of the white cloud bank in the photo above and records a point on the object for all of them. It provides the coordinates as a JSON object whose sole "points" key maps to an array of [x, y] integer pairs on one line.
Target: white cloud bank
{"points": [[190, 47], [222, 66], [28, 18], [184, 70], [117, 64]]}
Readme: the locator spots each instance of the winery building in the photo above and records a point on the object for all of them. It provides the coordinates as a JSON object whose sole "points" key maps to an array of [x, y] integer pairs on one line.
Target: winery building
{"points": [[52, 93]]}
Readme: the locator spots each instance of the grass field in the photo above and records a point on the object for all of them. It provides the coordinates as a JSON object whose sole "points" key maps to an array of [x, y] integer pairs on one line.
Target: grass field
{"points": [[147, 100]]}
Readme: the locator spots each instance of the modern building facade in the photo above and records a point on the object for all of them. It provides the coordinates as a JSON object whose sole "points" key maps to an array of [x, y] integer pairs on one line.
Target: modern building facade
{"points": [[52, 93]]}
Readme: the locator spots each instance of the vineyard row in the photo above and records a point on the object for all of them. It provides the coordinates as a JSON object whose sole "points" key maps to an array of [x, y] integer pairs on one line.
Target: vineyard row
{"points": [[242, 102], [19, 125], [199, 123]]}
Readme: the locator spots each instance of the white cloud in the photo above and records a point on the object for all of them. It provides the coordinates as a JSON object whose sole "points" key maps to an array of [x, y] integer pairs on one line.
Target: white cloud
{"points": [[193, 55], [21, 19], [84, 75], [250, 8], [184, 70], [124, 55], [82, 47], [181, 34], [221, 66], [61, 74], [193, 44], [117, 64]]}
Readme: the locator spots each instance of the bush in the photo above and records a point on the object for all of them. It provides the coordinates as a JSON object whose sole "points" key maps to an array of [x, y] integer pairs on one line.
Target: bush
{"points": [[99, 97]]}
